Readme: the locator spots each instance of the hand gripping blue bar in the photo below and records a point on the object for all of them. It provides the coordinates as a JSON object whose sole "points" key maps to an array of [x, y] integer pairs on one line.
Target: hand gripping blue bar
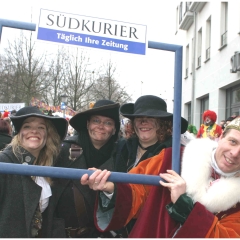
{"points": [[71, 173]]}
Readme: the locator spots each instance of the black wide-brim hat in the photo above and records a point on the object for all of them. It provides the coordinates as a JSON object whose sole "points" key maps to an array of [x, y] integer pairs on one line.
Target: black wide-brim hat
{"points": [[106, 108], [150, 106], [61, 124]]}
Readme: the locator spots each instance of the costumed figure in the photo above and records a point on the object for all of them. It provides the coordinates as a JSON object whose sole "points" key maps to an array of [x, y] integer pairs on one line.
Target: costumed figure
{"points": [[209, 128]]}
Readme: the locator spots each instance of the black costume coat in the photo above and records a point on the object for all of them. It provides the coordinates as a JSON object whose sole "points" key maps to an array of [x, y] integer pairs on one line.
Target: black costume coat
{"points": [[19, 199]]}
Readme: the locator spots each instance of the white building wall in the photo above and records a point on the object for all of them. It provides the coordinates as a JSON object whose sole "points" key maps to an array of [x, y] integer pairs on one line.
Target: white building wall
{"points": [[213, 77]]}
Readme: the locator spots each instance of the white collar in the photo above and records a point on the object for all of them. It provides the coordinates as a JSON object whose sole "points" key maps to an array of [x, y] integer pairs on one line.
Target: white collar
{"points": [[45, 194]]}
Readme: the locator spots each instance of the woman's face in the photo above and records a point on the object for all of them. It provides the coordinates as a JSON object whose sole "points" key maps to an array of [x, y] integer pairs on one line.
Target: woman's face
{"points": [[146, 130], [33, 135], [100, 129]]}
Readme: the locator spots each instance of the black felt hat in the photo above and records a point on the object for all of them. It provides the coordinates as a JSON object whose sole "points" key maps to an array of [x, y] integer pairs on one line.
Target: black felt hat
{"points": [[150, 106], [106, 108], [60, 123]]}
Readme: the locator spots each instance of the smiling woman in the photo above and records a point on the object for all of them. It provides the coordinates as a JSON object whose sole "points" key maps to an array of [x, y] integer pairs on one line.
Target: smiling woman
{"points": [[23, 199]]}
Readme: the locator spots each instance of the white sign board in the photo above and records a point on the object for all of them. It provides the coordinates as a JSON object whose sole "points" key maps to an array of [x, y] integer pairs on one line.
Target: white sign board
{"points": [[91, 32], [11, 106]]}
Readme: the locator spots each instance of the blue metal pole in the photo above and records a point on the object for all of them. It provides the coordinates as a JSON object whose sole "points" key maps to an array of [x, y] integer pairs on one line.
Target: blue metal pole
{"points": [[72, 173], [16, 24], [177, 110], [163, 46], [177, 99]]}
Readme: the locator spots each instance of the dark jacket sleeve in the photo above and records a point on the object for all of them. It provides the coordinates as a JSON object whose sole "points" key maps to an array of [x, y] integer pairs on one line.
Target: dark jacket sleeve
{"points": [[181, 209]]}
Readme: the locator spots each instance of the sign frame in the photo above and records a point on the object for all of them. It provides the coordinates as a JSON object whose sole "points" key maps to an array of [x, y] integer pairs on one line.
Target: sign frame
{"points": [[177, 49]]}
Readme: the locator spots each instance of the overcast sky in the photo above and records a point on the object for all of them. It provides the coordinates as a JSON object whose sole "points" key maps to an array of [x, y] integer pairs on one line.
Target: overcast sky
{"points": [[149, 74]]}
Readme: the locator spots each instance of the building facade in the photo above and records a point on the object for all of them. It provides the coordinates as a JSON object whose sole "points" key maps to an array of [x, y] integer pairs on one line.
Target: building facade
{"points": [[211, 58]]}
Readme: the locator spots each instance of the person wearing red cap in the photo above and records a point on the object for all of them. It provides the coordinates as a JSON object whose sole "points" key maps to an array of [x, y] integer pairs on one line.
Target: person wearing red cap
{"points": [[209, 128]]}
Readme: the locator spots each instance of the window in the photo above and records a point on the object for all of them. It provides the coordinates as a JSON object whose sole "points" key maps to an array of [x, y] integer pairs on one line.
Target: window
{"points": [[177, 19], [187, 61], [208, 38], [180, 12], [192, 56], [183, 9], [189, 118], [224, 23], [233, 101], [199, 49], [187, 5], [204, 106]]}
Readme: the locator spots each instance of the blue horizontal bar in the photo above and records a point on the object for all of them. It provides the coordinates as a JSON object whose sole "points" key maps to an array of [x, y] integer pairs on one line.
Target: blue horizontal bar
{"points": [[164, 46], [17, 24], [72, 173]]}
